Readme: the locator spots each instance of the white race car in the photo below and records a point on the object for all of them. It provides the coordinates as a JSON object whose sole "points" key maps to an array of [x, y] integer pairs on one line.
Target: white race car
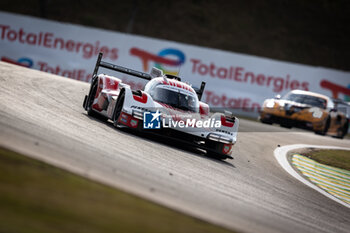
{"points": [[166, 106]]}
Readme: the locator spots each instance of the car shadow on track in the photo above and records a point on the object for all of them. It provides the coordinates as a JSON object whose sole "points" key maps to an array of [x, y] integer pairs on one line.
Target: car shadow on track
{"points": [[174, 143]]}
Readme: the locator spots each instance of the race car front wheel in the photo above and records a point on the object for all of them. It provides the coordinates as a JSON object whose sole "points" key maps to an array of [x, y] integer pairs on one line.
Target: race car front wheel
{"points": [[265, 120], [326, 127]]}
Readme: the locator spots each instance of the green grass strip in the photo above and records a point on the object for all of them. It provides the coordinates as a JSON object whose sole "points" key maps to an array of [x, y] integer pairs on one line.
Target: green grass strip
{"points": [[36, 197], [334, 158]]}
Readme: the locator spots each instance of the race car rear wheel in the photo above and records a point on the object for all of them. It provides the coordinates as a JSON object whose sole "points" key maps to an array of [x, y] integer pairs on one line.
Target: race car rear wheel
{"points": [[90, 100], [118, 107], [344, 130], [266, 121], [286, 125]]}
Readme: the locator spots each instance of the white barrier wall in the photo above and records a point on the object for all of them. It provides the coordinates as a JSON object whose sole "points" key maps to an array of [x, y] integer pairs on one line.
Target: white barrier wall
{"points": [[233, 80]]}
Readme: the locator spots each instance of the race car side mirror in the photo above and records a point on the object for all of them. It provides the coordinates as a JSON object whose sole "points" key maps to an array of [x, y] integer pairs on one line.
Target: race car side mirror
{"points": [[277, 97], [155, 72]]}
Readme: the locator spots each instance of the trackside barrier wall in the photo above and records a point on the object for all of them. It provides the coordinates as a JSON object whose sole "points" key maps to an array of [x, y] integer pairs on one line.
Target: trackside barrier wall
{"points": [[233, 80]]}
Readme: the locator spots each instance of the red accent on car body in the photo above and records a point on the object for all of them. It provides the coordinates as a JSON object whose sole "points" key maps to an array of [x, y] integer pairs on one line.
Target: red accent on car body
{"points": [[111, 83], [203, 108], [100, 101], [142, 99], [175, 83], [99, 97], [226, 123], [105, 83], [128, 120], [227, 148]]}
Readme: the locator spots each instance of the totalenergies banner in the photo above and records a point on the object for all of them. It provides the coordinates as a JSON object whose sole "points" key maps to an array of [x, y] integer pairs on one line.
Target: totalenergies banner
{"points": [[233, 80]]}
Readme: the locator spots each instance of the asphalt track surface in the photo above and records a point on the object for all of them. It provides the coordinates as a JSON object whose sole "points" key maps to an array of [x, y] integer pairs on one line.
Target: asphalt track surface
{"points": [[41, 115]]}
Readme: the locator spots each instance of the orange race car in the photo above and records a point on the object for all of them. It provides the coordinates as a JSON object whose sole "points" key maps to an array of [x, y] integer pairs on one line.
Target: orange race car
{"points": [[309, 110]]}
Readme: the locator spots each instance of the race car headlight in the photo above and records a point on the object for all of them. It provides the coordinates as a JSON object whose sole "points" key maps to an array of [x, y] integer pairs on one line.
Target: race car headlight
{"points": [[270, 104], [137, 114], [316, 112], [219, 138]]}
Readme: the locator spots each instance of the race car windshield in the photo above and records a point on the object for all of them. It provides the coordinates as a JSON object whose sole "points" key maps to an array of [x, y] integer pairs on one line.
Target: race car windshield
{"points": [[175, 98], [307, 99]]}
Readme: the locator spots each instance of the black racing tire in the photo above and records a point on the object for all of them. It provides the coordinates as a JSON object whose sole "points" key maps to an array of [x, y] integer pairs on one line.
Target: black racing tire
{"points": [[118, 108], [90, 100], [344, 130], [285, 125], [269, 122]]}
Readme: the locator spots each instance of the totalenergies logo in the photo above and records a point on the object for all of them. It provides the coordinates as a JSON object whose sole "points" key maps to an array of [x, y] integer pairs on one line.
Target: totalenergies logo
{"points": [[23, 61], [165, 59], [336, 89]]}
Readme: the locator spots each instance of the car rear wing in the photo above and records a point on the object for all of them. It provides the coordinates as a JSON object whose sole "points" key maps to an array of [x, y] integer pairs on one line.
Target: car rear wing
{"points": [[121, 69], [200, 90]]}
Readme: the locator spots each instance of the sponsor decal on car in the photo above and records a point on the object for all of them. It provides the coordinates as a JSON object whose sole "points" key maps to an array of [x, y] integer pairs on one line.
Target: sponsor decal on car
{"points": [[152, 120], [133, 123]]}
